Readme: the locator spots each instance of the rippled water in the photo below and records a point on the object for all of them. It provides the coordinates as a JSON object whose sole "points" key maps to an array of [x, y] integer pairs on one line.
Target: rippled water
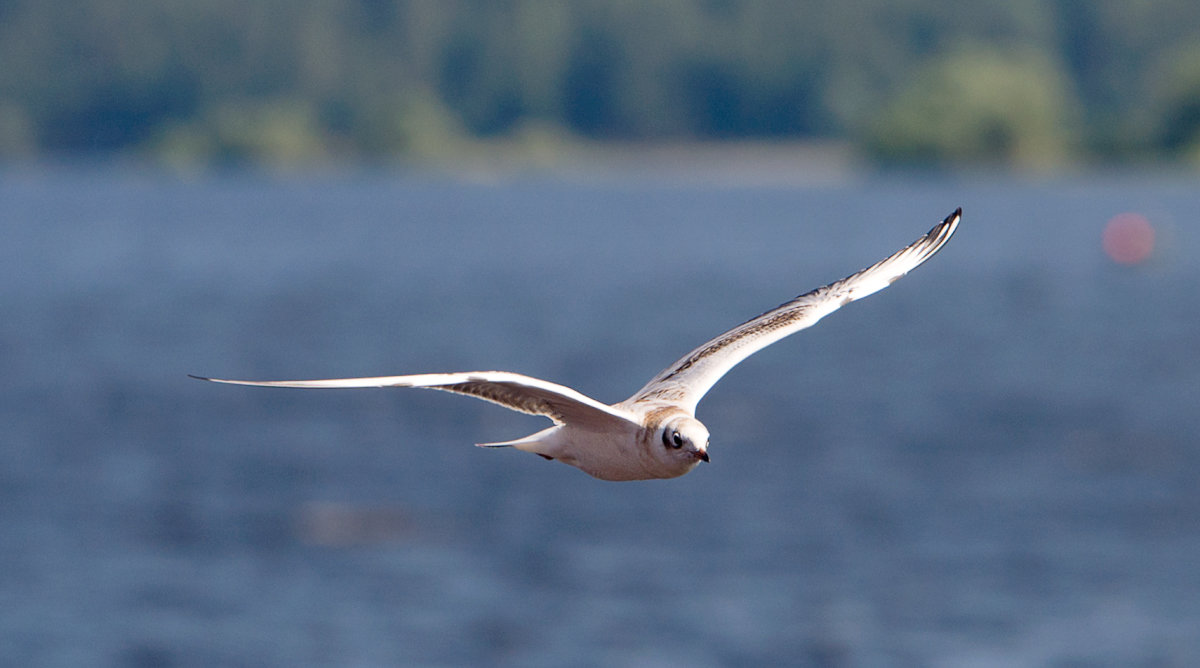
{"points": [[993, 462]]}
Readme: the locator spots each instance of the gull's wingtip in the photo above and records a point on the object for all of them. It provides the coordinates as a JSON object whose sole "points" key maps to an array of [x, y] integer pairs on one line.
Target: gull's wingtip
{"points": [[952, 219], [942, 232], [217, 380]]}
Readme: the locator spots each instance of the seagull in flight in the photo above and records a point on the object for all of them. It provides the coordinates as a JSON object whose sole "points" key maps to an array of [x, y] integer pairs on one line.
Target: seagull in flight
{"points": [[654, 433]]}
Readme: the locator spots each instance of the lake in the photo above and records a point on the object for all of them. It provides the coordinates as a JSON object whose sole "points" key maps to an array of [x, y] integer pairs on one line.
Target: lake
{"points": [[993, 462]]}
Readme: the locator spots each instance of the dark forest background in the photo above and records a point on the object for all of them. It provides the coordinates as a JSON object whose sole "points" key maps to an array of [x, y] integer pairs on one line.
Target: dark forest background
{"points": [[1027, 83]]}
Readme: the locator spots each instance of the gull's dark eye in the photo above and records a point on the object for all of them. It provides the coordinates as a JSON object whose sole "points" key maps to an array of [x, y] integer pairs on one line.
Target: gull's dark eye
{"points": [[672, 439]]}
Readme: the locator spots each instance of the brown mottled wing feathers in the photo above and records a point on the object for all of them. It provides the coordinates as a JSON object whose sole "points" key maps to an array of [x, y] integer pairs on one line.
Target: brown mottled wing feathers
{"points": [[687, 380], [511, 390]]}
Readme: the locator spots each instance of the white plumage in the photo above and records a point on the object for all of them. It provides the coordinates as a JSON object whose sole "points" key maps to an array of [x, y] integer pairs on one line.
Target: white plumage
{"points": [[654, 433]]}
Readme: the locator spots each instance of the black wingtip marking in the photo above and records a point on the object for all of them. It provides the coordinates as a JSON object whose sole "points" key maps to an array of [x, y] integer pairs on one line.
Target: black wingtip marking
{"points": [[951, 221], [190, 375], [941, 233]]}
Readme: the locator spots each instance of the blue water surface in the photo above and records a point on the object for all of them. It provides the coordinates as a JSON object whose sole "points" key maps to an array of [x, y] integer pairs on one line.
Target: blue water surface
{"points": [[994, 462]]}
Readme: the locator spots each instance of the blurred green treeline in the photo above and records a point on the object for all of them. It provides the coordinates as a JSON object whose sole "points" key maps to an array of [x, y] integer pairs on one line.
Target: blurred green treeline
{"points": [[1024, 82]]}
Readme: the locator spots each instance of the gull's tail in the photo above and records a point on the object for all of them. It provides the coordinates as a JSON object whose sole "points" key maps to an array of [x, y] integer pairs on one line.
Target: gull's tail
{"points": [[528, 443]]}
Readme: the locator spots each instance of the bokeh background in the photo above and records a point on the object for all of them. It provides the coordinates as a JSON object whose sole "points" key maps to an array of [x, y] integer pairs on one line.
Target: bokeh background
{"points": [[991, 463], [1034, 83]]}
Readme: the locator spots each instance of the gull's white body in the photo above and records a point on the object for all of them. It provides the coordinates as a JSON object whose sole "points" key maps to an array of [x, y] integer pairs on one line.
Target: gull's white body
{"points": [[654, 433]]}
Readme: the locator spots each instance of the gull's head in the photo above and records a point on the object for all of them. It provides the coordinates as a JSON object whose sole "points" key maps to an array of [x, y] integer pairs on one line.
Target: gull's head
{"points": [[684, 441]]}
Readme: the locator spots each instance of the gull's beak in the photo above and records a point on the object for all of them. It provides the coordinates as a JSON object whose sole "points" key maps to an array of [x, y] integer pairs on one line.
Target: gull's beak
{"points": [[702, 455]]}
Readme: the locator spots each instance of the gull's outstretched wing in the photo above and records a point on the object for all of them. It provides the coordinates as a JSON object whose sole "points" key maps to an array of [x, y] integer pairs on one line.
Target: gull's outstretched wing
{"points": [[511, 390], [686, 381]]}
